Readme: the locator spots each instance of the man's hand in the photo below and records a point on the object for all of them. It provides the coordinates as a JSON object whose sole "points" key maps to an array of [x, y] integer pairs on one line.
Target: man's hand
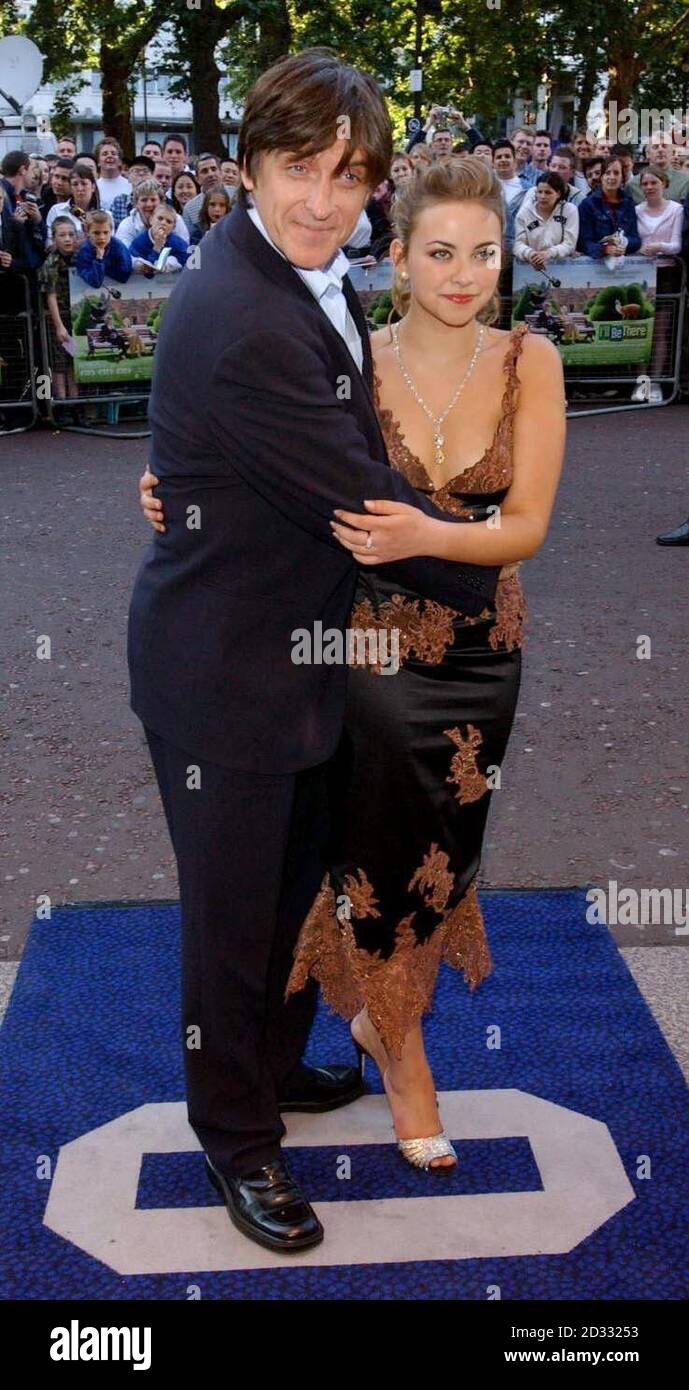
{"points": [[5, 260], [33, 211], [152, 506], [397, 532]]}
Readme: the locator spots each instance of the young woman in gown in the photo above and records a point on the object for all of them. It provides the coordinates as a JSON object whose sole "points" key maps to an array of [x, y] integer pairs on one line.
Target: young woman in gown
{"points": [[476, 417]]}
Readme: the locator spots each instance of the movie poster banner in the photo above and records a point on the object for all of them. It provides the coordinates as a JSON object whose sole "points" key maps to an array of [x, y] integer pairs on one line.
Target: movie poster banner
{"points": [[595, 315], [115, 328]]}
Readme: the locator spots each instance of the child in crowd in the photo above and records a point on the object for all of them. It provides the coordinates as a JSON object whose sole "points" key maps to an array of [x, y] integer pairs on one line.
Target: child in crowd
{"points": [[147, 246], [102, 254], [216, 204], [54, 281]]}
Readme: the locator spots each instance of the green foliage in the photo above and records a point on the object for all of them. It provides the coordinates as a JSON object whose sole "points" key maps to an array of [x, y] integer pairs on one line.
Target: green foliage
{"points": [[602, 307]]}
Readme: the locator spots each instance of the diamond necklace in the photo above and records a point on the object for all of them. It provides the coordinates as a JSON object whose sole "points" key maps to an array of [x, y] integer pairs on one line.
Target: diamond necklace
{"points": [[437, 420]]}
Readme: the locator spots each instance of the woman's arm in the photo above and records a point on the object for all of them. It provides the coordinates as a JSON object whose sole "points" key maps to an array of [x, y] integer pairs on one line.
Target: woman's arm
{"points": [[520, 525]]}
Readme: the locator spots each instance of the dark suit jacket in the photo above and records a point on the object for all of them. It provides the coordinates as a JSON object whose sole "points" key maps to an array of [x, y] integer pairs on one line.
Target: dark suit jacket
{"points": [[261, 425]]}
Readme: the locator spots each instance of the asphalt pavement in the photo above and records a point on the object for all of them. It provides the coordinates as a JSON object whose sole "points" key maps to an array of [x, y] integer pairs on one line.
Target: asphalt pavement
{"points": [[596, 782]]}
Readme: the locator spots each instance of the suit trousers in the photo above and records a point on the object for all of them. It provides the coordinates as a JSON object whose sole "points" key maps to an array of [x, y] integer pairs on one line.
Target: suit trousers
{"points": [[250, 851]]}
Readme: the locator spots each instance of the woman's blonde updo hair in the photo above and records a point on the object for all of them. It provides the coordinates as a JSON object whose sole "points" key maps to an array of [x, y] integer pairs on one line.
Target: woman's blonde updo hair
{"points": [[456, 178]]}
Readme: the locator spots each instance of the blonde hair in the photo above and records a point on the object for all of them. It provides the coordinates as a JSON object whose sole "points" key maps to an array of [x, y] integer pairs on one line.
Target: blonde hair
{"points": [[456, 179]]}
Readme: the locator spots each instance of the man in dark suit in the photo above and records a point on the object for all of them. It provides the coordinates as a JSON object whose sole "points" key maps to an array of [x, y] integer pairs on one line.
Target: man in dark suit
{"points": [[262, 424]]}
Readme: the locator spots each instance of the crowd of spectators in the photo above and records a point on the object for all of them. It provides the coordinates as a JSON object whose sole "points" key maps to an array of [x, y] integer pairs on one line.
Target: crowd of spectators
{"points": [[105, 215]]}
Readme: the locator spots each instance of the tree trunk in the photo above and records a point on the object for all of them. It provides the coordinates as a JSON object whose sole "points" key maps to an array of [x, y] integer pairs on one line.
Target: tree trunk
{"points": [[587, 90], [116, 71], [624, 70], [204, 76], [275, 35]]}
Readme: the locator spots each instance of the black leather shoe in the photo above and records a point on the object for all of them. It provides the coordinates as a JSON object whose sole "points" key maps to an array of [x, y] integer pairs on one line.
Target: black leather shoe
{"points": [[320, 1088], [267, 1206], [678, 537]]}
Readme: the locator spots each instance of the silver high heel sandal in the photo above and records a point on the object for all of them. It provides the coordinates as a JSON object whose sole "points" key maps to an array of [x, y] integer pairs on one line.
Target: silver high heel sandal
{"points": [[418, 1152]]}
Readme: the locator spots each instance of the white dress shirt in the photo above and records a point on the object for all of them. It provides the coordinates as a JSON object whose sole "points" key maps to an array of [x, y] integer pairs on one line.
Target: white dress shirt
{"points": [[326, 287]]}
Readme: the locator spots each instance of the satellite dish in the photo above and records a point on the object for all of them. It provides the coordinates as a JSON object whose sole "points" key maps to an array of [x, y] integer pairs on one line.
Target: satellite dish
{"points": [[21, 70]]}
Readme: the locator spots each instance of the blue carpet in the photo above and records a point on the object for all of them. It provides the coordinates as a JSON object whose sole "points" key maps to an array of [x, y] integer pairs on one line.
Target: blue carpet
{"points": [[91, 1034]]}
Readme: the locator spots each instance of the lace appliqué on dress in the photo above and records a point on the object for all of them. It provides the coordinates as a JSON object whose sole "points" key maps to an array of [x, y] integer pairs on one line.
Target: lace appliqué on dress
{"points": [[464, 770], [510, 606], [425, 629], [396, 990]]}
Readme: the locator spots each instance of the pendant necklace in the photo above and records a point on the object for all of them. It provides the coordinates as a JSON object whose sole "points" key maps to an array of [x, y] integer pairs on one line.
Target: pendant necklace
{"points": [[437, 420]]}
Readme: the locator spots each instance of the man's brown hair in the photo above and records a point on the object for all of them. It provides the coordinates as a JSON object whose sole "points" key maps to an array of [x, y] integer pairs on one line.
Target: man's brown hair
{"points": [[298, 105]]}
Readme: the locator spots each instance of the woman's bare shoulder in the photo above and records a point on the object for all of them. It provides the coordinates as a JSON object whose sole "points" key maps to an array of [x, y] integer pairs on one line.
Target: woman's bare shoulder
{"points": [[539, 353]]}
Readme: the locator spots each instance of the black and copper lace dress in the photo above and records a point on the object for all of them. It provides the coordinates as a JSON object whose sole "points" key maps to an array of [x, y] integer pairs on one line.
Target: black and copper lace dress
{"points": [[412, 781]]}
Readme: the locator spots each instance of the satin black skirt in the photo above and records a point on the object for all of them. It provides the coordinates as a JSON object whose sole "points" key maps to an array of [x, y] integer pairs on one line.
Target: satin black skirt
{"points": [[411, 784]]}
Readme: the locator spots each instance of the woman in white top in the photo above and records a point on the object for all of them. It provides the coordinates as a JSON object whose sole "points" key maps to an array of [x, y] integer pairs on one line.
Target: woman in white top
{"points": [[83, 198], [658, 218], [546, 227], [145, 199]]}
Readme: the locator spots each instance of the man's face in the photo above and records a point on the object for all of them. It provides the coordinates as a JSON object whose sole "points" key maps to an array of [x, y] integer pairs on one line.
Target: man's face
{"points": [[658, 152], [583, 147], [541, 149], [307, 209], [137, 173], [505, 163], [593, 175], [483, 152], [109, 160], [229, 172], [522, 146], [20, 179], [208, 174], [441, 144], [163, 174], [559, 164], [66, 147], [34, 177], [152, 149], [175, 155], [60, 180]]}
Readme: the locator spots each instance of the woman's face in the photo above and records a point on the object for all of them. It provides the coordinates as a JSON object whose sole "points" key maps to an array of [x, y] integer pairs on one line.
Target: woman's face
{"points": [[652, 187], [82, 191], [146, 205], [418, 156], [185, 190], [612, 178], [453, 260], [547, 199], [400, 171], [216, 208]]}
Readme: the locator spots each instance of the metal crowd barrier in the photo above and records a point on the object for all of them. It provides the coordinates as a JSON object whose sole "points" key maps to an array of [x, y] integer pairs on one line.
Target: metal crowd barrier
{"points": [[27, 385], [598, 390], [18, 405], [603, 390], [94, 409]]}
